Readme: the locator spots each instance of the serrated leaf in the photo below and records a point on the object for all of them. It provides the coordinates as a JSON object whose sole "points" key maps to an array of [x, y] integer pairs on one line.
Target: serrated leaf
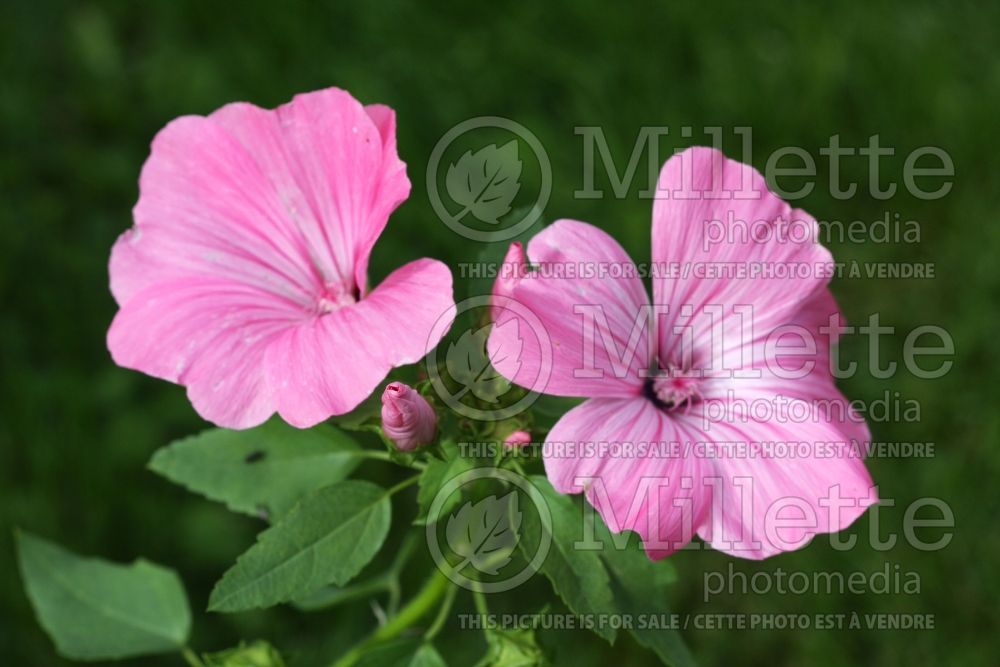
{"points": [[485, 183], [642, 587], [438, 473], [484, 531], [404, 652], [97, 610], [469, 364], [578, 576], [262, 471], [326, 539]]}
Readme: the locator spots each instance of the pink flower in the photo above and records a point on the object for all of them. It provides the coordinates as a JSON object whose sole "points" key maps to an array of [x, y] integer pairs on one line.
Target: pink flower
{"points": [[245, 276], [407, 418], [517, 439], [692, 396]]}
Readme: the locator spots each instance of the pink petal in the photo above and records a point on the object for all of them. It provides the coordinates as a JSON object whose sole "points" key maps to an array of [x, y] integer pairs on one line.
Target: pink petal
{"points": [[291, 200], [795, 362], [653, 491], [394, 187], [210, 335], [568, 245], [759, 484], [251, 226], [695, 188], [328, 365], [207, 209]]}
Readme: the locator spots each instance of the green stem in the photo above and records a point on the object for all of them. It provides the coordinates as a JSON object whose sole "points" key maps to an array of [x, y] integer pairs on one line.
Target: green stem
{"points": [[328, 598], [402, 485], [398, 563], [480, 600], [434, 588], [442, 616], [388, 458], [191, 658]]}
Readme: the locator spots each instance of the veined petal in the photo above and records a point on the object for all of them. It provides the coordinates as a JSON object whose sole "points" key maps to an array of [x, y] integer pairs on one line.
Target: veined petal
{"points": [[594, 317], [252, 232], [210, 335], [328, 365], [291, 200], [748, 260], [627, 456], [335, 168], [207, 209], [779, 479], [794, 361]]}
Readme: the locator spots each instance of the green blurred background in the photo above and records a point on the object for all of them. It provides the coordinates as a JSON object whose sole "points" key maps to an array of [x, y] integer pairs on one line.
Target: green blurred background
{"points": [[86, 85]]}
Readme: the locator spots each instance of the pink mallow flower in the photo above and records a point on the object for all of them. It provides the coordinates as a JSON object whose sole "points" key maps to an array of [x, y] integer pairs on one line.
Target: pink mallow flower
{"points": [[407, 418], [691, 398], [245, 276]]}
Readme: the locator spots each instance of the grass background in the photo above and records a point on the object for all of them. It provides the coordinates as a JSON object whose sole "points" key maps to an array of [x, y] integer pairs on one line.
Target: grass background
{"points": [[85, 86]]}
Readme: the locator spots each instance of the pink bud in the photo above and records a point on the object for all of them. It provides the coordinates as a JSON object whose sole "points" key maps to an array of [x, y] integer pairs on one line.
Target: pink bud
{"points": [[407, 418], [517, 439]]}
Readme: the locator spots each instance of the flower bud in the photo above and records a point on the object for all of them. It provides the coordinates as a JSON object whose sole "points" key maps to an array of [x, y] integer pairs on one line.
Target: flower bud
{"points": [[517, 439], [407, 418]]}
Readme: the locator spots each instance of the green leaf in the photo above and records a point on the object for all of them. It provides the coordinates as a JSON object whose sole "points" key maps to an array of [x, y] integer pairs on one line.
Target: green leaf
{"points": [[578, 576], [427, 656], [97, 610], [548, 409], [327, 538], [515, 648], [331, 596], [438, 473], [367, 413], [260, 471], [406, 652], [641, 587], [255, 654]]}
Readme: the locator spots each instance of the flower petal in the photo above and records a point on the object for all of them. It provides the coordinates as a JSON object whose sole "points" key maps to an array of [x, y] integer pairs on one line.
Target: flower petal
{"points": [[210, 335], [290, 200], [328, 365], [207, 209], [335, 166], [738, 246], [580, 311], [795, 362], [624, 453], [790, 465]]}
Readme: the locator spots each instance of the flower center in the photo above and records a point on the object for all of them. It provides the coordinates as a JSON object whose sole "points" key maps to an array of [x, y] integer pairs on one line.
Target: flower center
{"points": [[334, 296], [672, 389]]}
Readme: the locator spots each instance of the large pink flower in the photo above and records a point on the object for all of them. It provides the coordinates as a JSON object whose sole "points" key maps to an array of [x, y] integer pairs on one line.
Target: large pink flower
{"points": [[245, 276], [711, 411]]}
